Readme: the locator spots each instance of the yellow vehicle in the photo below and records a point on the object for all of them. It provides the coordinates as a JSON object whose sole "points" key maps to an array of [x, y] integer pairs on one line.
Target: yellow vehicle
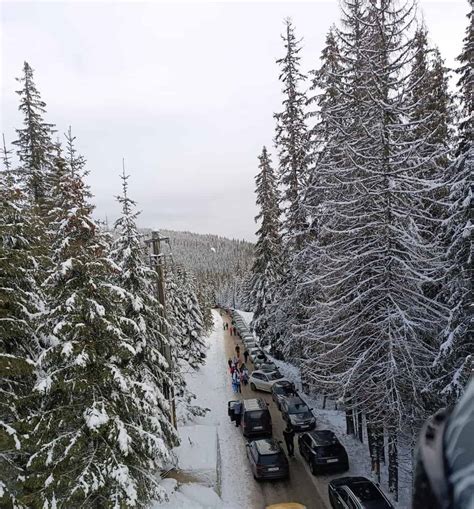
{"points": [[286, 505]]}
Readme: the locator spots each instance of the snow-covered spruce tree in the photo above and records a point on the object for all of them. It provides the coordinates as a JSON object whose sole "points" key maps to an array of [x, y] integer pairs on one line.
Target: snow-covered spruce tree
{"points": [[266, 269], [292, 146], [144, 321], [176, 313], [92, 443], [372, 317], [292, 140], [20, 305], [193, 346], [35, 148], [454, 361]]}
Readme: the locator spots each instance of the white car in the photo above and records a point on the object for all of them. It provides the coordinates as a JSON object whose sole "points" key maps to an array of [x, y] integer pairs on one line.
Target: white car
{"points": [[262, 381]]}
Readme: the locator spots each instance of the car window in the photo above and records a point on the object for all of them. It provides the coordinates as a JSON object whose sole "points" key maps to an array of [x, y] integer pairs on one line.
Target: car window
{"points": [[258, 376], [329, 450], [271, 459], [274, 376], [307, 440], [299, 408], [366, 491]]}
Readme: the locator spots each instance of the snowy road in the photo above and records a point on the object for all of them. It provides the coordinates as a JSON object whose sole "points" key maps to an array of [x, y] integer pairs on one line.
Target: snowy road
{"points": [[211, 384]]}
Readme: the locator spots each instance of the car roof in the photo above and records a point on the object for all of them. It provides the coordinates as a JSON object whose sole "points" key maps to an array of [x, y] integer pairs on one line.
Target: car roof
{"points": [[254, 404], [267, 446], [323, 437], [294, 400]]}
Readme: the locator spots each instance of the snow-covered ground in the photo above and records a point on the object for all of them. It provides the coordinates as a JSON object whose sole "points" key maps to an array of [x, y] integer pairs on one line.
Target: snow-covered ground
{"points": [[211, 443], [334, 419]]}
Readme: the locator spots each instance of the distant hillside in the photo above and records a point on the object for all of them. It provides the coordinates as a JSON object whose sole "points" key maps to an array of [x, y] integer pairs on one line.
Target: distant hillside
{"points": [[218, 263]]}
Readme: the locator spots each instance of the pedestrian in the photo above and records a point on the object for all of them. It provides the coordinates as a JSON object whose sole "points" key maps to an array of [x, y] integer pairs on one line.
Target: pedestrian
{"points": [[246, 356], [244, 374], [289, 435], [237, 414], [229, 362], [235, 381], [237, 350]]}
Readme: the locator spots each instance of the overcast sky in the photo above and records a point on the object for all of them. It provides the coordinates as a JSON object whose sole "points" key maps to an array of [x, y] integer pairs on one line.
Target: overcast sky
{"points": [[185, 92]]}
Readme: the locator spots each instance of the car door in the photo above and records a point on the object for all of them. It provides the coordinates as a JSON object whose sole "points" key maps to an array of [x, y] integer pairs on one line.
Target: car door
{"points": [[266, 385], [257, 380], [304, 446]]}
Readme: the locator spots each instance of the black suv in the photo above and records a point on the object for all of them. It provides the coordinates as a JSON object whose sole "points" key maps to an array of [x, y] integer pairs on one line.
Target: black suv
{"points": [[283, 389], [356, 493], [267, 459], [295, 411], [323, 451], [256, 420]]}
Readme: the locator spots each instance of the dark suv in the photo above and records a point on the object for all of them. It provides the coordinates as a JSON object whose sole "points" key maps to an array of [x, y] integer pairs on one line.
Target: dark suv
{"points": [[356, 493], [323, 451], [283, 389], [267, 459], [256, 420], [295, 411]]}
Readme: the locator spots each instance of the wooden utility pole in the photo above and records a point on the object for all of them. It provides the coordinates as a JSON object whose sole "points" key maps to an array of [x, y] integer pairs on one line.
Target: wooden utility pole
{"points": [[157, 260]]}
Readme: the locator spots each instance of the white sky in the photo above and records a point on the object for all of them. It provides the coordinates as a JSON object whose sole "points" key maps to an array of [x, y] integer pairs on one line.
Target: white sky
{"points": [[185, 92]]}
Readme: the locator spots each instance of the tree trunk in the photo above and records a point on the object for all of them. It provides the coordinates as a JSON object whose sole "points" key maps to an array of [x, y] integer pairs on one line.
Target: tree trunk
{"points": [[393, 464], [381, 441], [360, 429], [324, 401], [350, 427]]}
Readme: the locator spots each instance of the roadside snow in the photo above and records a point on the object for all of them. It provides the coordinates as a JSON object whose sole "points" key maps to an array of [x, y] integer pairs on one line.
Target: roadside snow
{"points": [[188, 496]]}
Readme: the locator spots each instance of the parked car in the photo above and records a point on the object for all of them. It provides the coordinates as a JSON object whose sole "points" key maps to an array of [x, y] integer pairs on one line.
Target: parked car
{"points": [[260, 360], [356, 493], [286, 505], [264, 381], [323, 451], [254, 352], [268, 366], [256, 420], [282, 389], [267, 459], [258, 357], [295, 411], [251, 344]]}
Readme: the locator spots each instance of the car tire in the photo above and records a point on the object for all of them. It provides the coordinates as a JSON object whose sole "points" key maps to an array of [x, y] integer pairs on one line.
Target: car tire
{"points": [[252, 386]]}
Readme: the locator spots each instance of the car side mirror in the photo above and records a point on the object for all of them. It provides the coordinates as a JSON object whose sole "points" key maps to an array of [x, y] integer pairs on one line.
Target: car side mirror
{"points": [[247, 445]]}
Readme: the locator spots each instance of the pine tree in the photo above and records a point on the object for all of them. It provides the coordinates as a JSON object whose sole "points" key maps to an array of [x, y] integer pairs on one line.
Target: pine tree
{"points": [[453, 364], [35, 146], [143, 318], [94, 422], [292, 140], [266, 269], [20, 305], [187, 353], [366, 335]]}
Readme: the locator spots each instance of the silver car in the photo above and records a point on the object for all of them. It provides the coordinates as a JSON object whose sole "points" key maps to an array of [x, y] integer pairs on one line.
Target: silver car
{"points": [[262, 381]]}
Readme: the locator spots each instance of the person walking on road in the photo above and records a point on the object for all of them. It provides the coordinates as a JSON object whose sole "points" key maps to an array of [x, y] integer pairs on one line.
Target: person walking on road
{"points": [[246, 356], [229, 362], [237, 351], [289, 435]]}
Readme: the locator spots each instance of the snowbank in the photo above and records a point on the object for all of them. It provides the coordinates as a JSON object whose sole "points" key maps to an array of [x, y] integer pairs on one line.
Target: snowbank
{"points": [[188, 496], [247, 316], [198, 452]]}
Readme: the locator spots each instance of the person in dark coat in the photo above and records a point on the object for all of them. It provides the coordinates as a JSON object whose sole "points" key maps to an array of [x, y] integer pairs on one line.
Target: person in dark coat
{"points": [[289, 435], [238, 414], [229, 362], [246, 355], [237, 351]]}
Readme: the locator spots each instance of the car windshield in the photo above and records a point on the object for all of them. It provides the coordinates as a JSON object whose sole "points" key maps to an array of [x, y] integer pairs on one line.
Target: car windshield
{"points": [[298, 408], [270, 459], [273, 376], [367, 492], [329, 450]]}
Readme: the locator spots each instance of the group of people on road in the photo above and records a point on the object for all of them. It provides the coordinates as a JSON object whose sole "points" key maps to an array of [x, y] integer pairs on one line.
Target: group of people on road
{"points": [[238, 372]]}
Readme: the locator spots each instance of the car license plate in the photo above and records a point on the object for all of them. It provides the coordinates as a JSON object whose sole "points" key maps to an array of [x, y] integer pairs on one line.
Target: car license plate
{"points": [[273, 469], [258, 427], [304, 426], [332, 460]]}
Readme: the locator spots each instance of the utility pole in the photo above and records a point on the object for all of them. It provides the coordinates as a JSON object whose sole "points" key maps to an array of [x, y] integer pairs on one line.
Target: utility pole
{"points": [[157, 260]]}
